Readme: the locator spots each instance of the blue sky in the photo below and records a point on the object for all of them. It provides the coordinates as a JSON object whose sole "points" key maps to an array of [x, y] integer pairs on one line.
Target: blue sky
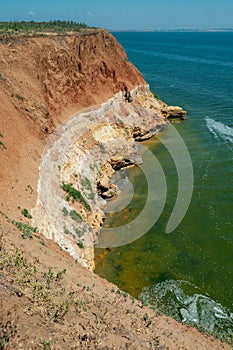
{"points": [[123, 14]]}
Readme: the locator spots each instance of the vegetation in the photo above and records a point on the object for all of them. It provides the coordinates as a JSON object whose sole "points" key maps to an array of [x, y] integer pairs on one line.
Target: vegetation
{"points": [[26, 230], [9, 31], [79, 232], [47, 345], [118, 120], [65, 211], [74, 194], [80, 244], [26, 213], [66, 231], [76, 216], [2, 145], [19, 97], [102, 148], [26, 27], [155, 95], [87, 186], [46, 289]]}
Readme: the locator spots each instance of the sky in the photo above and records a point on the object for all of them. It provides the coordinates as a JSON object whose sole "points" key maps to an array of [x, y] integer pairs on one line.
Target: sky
{"points": [[125, 14]]}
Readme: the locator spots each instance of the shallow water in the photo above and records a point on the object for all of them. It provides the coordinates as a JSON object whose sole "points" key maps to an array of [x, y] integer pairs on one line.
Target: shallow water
{"points": [[187, 273]]}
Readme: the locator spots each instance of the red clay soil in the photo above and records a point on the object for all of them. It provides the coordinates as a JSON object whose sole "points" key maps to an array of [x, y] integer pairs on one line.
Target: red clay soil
{"points": [[43, 81]]}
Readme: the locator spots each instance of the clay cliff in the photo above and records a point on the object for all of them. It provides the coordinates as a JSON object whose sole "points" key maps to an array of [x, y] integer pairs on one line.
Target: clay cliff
{"points": [[45, 76], [43, 81]]}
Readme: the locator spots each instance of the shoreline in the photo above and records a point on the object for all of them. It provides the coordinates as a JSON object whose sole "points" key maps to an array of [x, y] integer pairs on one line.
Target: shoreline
{"points": [[84, 151]]}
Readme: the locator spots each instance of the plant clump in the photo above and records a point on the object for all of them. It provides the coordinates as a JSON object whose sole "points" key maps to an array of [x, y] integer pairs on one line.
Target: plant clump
{"points": [[74, 194]]}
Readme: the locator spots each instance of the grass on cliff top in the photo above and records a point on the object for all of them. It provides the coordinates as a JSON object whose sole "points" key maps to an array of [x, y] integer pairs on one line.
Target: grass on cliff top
{"points": [[50, 26], [10, 31]]}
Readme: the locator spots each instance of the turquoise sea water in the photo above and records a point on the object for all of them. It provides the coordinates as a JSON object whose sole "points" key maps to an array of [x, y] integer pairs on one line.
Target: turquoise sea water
{"points": [[187, 273]]}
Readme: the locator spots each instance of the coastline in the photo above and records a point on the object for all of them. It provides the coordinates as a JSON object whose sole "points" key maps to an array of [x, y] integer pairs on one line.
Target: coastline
{"points": [[84, 151], [39, 278]]}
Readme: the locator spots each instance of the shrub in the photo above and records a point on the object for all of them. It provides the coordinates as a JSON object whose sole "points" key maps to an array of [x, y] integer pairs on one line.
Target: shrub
{"points": [[25, 229], [76, 216], [80, 244], [65, 211], [26, 213], [19, 97], [75, 194], [79, 232]]}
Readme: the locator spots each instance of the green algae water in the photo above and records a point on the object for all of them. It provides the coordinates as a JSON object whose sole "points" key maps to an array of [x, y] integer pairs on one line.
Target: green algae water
{"points": [[187, 273]]}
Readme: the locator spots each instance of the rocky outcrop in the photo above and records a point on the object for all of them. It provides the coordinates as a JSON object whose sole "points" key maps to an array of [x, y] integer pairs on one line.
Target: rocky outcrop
{"points": [[43, 81], [174, 112], [78, 163]]}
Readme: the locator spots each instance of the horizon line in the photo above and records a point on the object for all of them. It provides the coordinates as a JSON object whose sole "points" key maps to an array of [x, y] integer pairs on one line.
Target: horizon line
{"points": [[173, 30]]}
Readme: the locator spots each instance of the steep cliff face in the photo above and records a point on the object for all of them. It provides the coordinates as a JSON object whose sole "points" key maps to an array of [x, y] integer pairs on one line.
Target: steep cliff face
{"points": [[84, 70], [78, 162], [44, 80]]}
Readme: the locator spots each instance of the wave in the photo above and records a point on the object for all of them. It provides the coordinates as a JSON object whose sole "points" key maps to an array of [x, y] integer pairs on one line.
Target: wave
{"points": [[197, 309], [219, 130]]}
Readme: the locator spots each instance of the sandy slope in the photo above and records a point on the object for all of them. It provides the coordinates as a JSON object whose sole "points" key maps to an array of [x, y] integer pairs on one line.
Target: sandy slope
{"points": [[77, 310]]}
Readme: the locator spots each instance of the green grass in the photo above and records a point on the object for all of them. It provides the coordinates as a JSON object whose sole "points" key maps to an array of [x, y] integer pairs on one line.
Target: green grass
{"points": [[25, 229], [66, 231], [75, 195], [40, 27], [10, 31], [26, 213], [79, 232], [80, 244], [65, 211], [119, 120], [76, 216], [46, 288]]}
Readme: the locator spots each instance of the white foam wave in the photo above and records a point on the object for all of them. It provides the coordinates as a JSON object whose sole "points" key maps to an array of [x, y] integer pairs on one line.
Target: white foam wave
{"points": [[197, 309], [220, 130]]}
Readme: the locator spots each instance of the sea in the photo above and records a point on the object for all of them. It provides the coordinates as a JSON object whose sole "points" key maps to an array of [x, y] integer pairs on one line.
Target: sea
{"points": [[186, 273]]}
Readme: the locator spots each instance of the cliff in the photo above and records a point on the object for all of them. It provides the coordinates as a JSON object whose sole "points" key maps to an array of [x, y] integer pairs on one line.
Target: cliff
{"points": [[43, 81], [49, 76], [78, 162], [48, 300], [46, 79]]}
